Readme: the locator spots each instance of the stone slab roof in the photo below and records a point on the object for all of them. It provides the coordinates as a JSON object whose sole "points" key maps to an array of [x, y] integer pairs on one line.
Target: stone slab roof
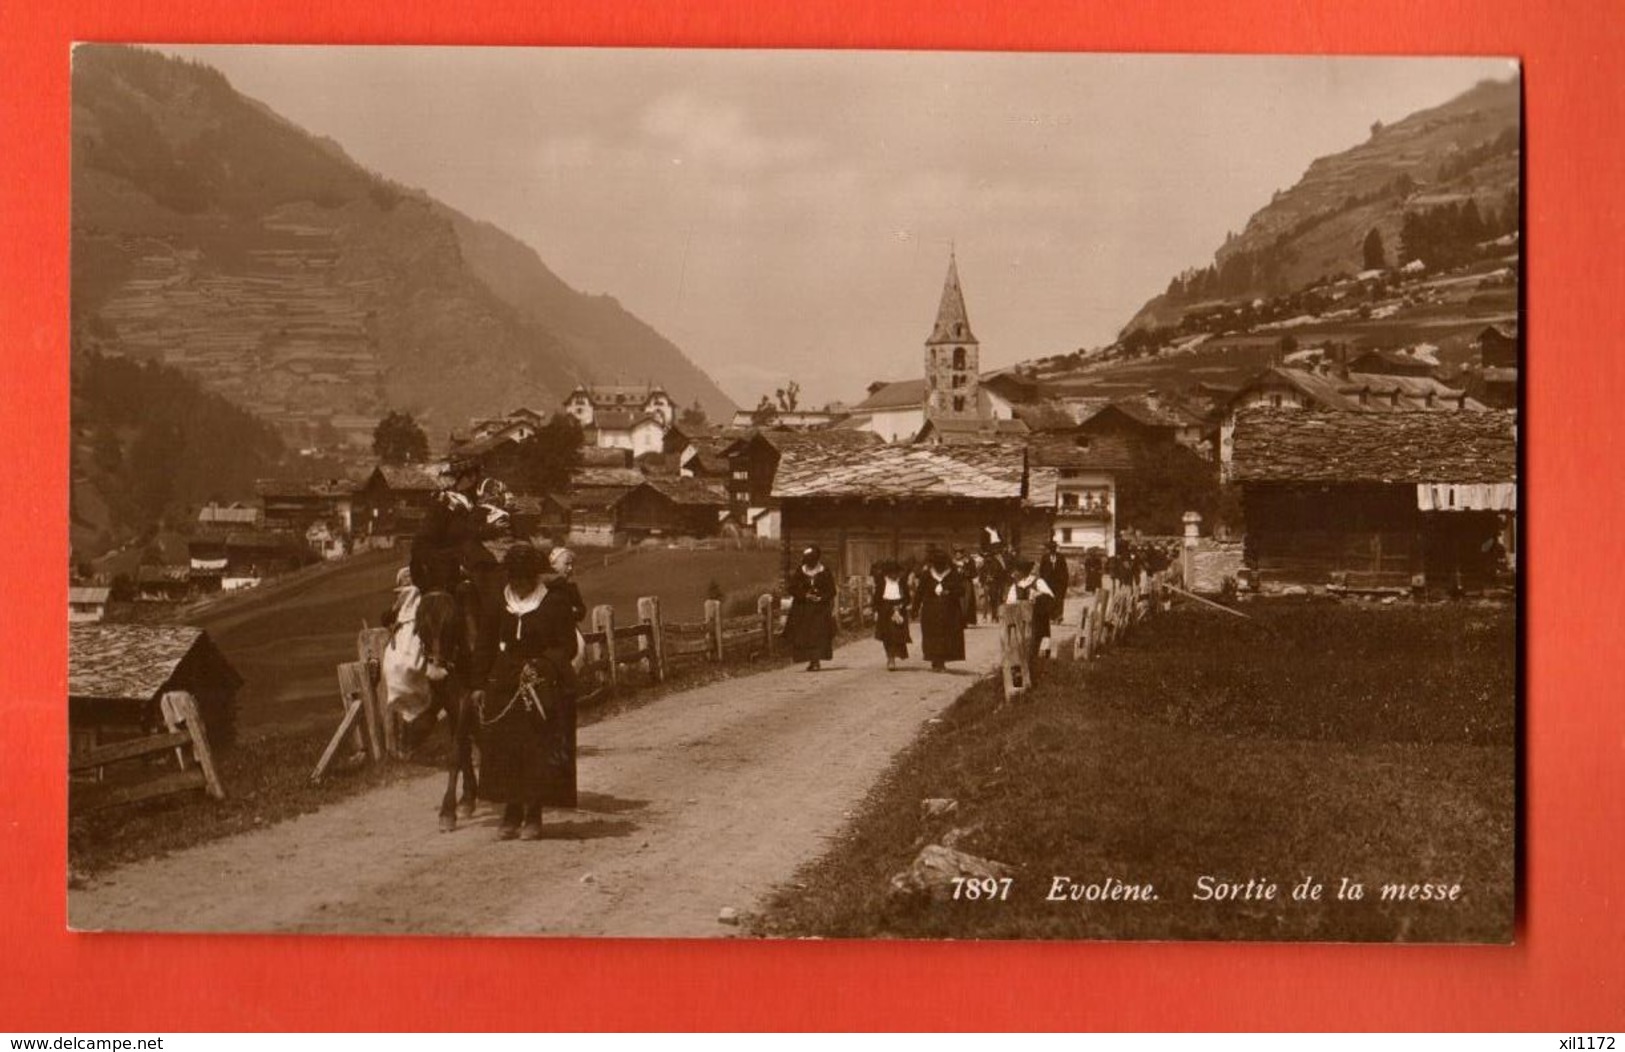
{"points": [[1296, 445], [130, 662], [980, 472]]}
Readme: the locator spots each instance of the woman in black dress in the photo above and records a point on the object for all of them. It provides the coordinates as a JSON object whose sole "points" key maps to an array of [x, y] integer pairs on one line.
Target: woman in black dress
{"points": [[811, 621], [527, 705], [892, 603], [938, 608], [1030, 587]]}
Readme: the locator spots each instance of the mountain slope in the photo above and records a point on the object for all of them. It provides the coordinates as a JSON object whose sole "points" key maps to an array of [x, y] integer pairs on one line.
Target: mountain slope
{"points": [[148, 445], [1466, 149], [215, 236]]}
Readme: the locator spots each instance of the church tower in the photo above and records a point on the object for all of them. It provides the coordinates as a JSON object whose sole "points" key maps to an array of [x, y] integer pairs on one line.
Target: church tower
{"points": [[951, 356]]}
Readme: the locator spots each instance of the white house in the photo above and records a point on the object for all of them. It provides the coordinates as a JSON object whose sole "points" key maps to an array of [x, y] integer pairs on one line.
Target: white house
{"points": [[87, 604], [587, 401], [621, 429]]}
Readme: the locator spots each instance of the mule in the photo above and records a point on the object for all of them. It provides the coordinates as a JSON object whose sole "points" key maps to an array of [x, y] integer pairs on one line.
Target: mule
{"points": [[448, 628]]}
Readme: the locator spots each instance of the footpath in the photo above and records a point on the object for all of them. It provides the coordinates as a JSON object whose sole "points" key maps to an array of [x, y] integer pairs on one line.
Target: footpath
{"points": [[703, 800]]}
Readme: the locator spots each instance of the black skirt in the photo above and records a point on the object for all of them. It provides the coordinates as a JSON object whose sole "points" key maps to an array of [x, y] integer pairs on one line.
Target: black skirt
{"points": [[942, 632], [891, 626], [811, 629], [528, 745]]}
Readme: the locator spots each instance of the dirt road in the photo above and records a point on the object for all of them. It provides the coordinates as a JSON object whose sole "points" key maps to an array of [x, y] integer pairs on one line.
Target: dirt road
{"points": [[702, 800]]}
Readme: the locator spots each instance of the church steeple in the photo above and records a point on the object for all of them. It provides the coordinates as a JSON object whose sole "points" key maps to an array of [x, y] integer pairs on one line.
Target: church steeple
{"points": [[952, 321], [952, 356]]}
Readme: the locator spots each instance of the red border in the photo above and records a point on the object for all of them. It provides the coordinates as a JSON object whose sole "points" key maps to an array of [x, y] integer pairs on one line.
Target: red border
{"points": [[1563, 975]]}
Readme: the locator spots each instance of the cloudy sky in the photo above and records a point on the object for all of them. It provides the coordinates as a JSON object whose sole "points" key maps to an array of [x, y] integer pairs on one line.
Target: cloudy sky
{"points": [[788, 214]]}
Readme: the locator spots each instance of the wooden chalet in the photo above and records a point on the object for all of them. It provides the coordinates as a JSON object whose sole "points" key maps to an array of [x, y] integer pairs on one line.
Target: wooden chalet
{"points": [[863, 505], [87, 603], [162, 583], [1497, 347], [117, 675], [1147, 420], [295, 504], [591, 501], [394, 499], [1380, 362], [226, 559], [233, 514], [754, 459], [705, 459], [1367, 393], [538, 517], [671, 507], [1376, 499], [1087, 470]]}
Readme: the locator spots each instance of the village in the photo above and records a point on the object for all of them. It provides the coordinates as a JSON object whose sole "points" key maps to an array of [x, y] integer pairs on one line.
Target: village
{"points": [[770, 477], [1353, 477], [781, 566]]}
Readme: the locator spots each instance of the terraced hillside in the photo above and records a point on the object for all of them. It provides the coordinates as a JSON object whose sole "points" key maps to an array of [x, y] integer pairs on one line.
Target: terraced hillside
{"points": [[1465, 150], [212, 235]]}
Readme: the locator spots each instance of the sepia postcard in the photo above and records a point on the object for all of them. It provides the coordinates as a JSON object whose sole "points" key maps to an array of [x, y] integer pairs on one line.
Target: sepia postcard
{"points": [[794, 494]]}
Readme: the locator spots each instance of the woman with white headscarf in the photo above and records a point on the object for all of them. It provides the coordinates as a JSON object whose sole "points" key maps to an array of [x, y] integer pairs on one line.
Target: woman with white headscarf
{"points": [[810, 625]]}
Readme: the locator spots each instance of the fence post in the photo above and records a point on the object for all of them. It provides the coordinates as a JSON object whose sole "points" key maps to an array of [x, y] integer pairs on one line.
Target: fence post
{"points": [[370, 646], [180, 707], [767, 606], [1187, 554], [603, 620], [713, 626], [1015, 623], [651, 644]]}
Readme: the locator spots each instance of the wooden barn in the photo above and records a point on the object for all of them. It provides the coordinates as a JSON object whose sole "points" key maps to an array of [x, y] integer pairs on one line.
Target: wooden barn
{"points": [[754, 464], [163, 584], [394, 499], [87, 603], [861, 506], [592, 499], [671, 507], [294, 504], [230, 559], [545, 516], [117, 675], [1377, 499]]}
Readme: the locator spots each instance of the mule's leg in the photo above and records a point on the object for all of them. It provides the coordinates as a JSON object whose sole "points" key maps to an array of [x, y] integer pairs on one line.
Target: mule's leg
{"points": [[448, 802], [466, 715]]}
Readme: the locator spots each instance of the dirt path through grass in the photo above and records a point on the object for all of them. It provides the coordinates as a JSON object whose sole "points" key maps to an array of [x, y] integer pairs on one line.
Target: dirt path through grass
{"points": [[702, 800]]}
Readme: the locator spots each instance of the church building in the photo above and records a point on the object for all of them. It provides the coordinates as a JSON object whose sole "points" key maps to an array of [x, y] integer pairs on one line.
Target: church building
{"points": [[950, 396]]}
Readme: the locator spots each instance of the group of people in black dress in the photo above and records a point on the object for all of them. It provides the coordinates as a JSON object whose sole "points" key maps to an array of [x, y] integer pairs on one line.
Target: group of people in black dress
{"points": [[524, 613], [940, 595]]}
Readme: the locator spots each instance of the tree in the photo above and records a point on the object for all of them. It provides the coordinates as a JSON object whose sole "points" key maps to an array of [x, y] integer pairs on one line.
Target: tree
{"points": [[764, 413], [547, 458], [694, 417], [399, 440], [1167, 481], [1376, 255], [788, 396]]}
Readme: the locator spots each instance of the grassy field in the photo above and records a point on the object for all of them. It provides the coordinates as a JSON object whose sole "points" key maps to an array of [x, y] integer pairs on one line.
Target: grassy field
{"points": [[1327, 742], [287, 646]]}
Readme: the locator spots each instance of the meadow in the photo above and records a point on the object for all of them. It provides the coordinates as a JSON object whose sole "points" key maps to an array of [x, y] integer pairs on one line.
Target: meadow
{"points": [[1329, 743]]}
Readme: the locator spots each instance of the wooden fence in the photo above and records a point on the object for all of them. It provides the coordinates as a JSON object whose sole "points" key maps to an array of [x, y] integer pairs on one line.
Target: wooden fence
{"points": [[184, 735], [1116, 609], [614, 655]]}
